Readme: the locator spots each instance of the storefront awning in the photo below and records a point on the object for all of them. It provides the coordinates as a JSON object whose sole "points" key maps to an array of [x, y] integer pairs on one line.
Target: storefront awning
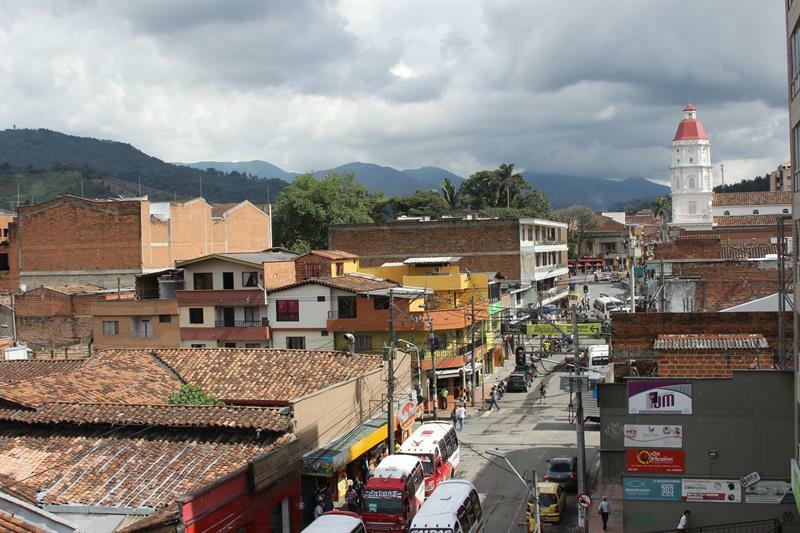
{"points": [[335, 456], [451, 372]]}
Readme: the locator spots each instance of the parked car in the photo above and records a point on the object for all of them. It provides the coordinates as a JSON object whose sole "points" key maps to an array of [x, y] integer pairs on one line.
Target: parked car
{"points": [[552, 500], [564, 471], [517, 382]]}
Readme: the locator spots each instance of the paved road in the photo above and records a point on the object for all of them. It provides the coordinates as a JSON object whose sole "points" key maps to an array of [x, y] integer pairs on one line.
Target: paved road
{"points": [[529, 433]]}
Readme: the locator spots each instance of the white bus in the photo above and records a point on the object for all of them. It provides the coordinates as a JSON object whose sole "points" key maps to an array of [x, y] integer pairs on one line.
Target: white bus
{"points": [[604, 305], [454, 507], [436, 446], [337, 522]]}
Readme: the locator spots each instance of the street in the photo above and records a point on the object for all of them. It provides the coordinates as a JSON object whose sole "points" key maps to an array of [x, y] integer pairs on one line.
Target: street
{"points": [[530, 433]]}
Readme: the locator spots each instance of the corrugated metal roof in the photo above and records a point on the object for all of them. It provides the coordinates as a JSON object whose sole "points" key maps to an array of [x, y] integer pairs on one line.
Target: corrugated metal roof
{"points": [[431, 260], [711, 342]]}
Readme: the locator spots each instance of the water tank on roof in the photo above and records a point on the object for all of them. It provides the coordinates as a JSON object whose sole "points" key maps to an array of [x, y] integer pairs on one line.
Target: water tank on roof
{"points": [[168, 286]]}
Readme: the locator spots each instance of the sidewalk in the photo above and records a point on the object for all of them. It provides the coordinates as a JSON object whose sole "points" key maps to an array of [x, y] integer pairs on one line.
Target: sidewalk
{"points": [[613, 492]]}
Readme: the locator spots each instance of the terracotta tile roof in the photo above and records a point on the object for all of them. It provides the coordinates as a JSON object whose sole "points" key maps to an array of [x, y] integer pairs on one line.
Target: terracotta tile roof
{"points": [[76, 288], [443, 363], [174, 416], [129, 467], [139, 379], [730, 199], [747, 220], [154, 522], [12, 524], [349, 282], [711, 342], [333, 254], [747, 250], [608, 225], [241, 374], [11, 371]]}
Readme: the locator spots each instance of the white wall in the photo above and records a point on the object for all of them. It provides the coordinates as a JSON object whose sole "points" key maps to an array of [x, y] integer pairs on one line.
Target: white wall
{"points": [[313, 314], [217, 267], [314, 338], [719, 211]]}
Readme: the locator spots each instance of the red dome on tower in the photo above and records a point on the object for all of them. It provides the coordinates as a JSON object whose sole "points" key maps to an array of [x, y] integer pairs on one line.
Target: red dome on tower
{"points": [[690, 129]]}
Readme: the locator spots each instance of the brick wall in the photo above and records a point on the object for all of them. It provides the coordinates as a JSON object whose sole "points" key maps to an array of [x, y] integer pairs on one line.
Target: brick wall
{"points": [[483, 245], [303, 262], [69, 233], [638, 331], [709, 364], [689, 248], [761, 234], [729, 283], [279, 273], [56, 331]]}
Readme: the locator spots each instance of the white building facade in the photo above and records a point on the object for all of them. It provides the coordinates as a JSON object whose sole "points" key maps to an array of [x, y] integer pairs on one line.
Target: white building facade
{"points": [[691, 178]]}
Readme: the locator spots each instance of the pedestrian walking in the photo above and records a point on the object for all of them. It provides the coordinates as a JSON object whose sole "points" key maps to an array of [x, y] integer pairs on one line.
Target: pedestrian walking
{"points": [[604, 508], [453, 416], [683, 523], [495, 396], [318, 508], [461, 414], [351, 497], [542, 392]]}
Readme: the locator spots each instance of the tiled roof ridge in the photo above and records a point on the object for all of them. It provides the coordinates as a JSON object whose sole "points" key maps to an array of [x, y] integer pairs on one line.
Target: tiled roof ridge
{"points": [[711, 341], [159, 361], [156, 415]]}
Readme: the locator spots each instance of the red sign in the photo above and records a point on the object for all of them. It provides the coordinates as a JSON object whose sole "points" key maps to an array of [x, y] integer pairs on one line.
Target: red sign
{"points": [[650, 460]]}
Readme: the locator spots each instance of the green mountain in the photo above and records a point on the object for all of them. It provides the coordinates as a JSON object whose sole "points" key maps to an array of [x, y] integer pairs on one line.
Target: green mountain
{"points": [[593, 192], [43, 164], [433, 176], [378, 178], [261, 169]]}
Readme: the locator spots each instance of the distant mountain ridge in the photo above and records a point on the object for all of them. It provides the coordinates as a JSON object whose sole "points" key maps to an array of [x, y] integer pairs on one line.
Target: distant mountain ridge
{"points": [[47, 163]]}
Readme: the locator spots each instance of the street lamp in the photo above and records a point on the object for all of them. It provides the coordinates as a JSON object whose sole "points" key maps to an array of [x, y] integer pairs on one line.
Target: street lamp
{"points": [[419, 368], [531, 489]]}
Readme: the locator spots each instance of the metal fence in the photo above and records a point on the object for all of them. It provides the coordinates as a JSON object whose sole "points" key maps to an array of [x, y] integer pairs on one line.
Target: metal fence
{"points": [[757, 526]]}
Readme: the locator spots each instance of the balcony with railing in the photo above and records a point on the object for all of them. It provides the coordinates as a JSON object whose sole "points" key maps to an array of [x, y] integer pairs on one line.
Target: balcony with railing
{"points": [[240, 323]]}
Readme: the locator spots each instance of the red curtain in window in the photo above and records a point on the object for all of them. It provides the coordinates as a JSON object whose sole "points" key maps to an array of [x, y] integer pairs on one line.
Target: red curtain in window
{"points": [[288, 310]]}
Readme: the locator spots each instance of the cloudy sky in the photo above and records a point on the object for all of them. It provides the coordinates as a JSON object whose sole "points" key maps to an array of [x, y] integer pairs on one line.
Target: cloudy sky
{"points": [[589, 87]]}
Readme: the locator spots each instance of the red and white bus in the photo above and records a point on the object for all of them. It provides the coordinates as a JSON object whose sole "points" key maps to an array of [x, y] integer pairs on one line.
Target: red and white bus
{"points": [[436, 445], [393, 494]]}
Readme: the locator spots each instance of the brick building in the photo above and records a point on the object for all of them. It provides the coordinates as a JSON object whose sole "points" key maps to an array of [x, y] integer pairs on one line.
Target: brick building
{"points": [[52, 319], [705, 273], [325, 263], [530, 250], [106, 242], [710, 355], [780, 179]]}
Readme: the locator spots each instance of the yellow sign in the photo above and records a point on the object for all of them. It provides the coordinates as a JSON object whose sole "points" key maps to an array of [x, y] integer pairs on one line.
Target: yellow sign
{"points": [[587, 328], [574, 297]]}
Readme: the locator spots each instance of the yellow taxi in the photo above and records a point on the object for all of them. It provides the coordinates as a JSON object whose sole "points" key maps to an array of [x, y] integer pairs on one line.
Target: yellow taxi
{"points": [[552, 500]]}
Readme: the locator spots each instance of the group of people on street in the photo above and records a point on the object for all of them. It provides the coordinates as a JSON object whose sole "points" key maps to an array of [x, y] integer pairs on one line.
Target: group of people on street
{"points": [[604, 510]]}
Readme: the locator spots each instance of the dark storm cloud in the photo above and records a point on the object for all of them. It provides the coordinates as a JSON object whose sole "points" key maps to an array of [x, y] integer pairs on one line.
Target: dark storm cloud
{"points": [[559, 86]]}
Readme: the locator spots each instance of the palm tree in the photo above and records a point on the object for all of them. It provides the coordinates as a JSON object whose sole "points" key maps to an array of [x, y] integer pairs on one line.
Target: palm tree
{"points": [[508, 181], [448, 192], [662, 210]]}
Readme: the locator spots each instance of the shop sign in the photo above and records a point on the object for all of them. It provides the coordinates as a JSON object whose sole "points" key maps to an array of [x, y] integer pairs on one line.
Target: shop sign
{"points": [[406, 414], [769, 492], [584, 328], [651, 460], [265, 469], [712, 490], [660, 397], [638, 435], [795, 469], [750, 478], [652, 489], [518, 329]]}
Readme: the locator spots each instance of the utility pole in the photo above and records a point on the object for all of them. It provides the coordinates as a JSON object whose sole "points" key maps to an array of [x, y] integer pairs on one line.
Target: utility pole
{"points": [[781, 292], [432, 341], [472, 354], [583, 517], [633, 271], [390, 381]]}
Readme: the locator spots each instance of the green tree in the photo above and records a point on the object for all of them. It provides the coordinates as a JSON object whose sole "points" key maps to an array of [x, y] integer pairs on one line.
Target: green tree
{"points": [[533, 203], [580, 221], [449, 193], [192, 395], [419, 204], [662, 210], [308, 206], [511, 184]]}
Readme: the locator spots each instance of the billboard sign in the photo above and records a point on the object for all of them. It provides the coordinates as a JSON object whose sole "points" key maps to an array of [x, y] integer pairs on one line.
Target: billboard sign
{"points": [[547, 328], [652, 489], [660, 397], [769, 492], [654, 460], [660, 436], [712, 490]]}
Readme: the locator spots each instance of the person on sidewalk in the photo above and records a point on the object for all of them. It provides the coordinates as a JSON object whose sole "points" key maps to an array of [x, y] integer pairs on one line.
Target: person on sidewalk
{"points": [[461, 415], [542, 392], [683, 523], [453, 417], [495, 396], [604, 508]]}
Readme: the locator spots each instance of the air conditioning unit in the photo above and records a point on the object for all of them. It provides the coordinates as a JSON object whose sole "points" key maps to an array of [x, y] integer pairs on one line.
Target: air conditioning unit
{"points": [[436, 270]]}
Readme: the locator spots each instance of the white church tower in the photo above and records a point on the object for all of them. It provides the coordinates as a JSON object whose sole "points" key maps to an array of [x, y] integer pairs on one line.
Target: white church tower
{"points": [[692, 183]]}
